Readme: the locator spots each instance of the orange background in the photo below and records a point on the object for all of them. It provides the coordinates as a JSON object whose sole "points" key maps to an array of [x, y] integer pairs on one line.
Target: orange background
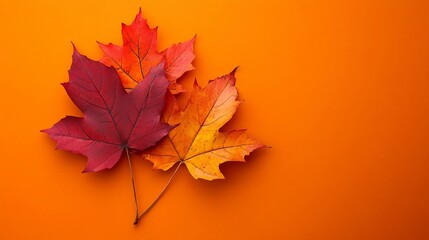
{"points": [[339, 89]]}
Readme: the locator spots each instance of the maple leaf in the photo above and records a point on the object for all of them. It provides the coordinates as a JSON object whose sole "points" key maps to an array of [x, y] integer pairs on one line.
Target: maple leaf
{"points": [[139, 54], [113, 120], [196, 142]]}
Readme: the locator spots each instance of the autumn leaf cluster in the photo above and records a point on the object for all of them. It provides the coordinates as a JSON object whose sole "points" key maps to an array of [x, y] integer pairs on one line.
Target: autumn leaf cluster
{"points": [[128, 101]]}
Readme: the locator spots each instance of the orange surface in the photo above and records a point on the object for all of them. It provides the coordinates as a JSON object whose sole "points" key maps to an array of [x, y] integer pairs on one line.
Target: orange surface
{"points": [[339, 89]]}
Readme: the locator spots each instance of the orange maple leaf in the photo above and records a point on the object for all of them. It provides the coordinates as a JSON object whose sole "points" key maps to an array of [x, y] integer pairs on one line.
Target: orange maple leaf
{"points": [[196, 141], [139, 54]]}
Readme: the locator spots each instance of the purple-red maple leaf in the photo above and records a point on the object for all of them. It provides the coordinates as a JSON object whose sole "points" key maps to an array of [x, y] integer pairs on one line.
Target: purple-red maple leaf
{"points": [[139, 54], [114, 120]]}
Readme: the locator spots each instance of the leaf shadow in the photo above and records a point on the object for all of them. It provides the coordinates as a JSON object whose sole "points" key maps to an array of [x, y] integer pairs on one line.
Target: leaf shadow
{"points": [[236, 173]]}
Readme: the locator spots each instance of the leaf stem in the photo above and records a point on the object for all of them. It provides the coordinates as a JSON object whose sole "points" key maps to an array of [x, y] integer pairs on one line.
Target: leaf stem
{"points": [[136, 219], [159, 195]]}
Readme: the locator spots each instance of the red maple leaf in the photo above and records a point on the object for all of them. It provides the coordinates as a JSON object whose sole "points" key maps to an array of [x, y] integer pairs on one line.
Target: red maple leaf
{"points": [[113, 120], [139, 54]]}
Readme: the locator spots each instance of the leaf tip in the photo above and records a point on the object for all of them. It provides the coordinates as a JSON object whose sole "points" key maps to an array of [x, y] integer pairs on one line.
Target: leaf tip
{"points": [[139, 14], [196, 85], [234, 70], [89, 169], [65, 84], [74, 46]]}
